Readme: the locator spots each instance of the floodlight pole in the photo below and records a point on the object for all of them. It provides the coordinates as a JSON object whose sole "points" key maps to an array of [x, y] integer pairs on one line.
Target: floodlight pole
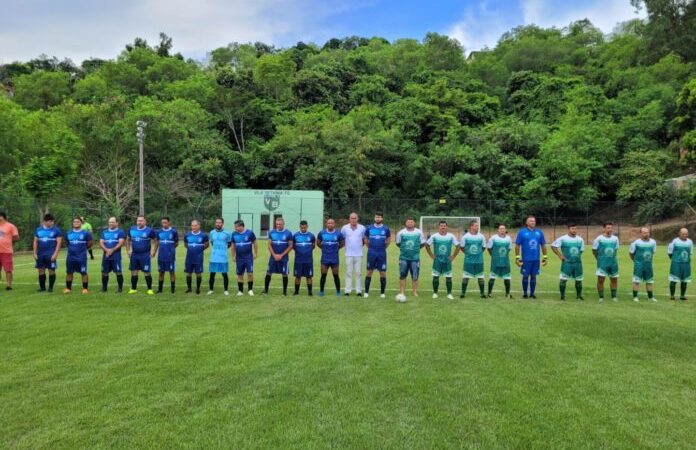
{"points": [[140, 125]]}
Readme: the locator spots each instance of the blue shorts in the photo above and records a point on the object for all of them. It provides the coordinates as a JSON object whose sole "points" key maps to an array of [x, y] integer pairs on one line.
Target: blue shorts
{"points": [[530, 268], [409, 266], [245, 265], [304, 269], [330, 263], [193, 267], [166, 266], [76, 265], [274, 266], [216, 267], [140, 261], [111, 265], [377, 261], [44, 262]]}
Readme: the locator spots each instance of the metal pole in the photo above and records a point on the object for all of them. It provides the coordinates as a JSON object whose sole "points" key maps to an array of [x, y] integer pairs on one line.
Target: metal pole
{"points": [[140, 125]]}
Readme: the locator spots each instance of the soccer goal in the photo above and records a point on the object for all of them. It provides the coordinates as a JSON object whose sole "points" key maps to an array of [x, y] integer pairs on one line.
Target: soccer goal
{"points": [[456, 225]]}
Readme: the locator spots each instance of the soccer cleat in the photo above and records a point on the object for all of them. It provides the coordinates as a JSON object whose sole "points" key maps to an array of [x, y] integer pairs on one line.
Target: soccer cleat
{"points": [[240, 293], [8, 288], [450, 296], [188, 291], [150, 292], [321, 293], [347, 294], [67, 291], [133, 291], [580, 299], [295, 293], [509, 297], [50, 290], [338, 293], [435, 295], [44, 290], [562, 299], [227, 292], [119, 290], [84, 291], [250, 293], [209, 293], [159, 291], [614, 299], [359, 294], [198, 292], [461, 295], [104, 291], [366, 295], [484, 296], [653, 300], [635, 299], [489, 296], [672, 298], [383, 296], [525, 296], [533, 297]]}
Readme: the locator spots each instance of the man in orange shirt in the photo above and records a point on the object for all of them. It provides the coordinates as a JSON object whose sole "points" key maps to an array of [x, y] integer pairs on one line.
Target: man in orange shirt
{"points": [[8, 236]]}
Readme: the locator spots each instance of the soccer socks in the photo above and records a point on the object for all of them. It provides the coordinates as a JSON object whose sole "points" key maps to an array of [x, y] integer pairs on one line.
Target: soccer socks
{"points": [[134, 282], [562, 288], [199, 281], [160, 285], [225, 282], [613, 293], [532, 284], [448, 284], [382, 284], [240, 286], [436, 284], [650, 294], [211, 281], [297, 286], [491, 282], [51, 281], [285, 285], [309, 289], [578, 288], [368, 280], [42, 282], [507, 286], [173, 286], [85, 285], [601, 293], [250, 285], [322, 282], [189, 282], [682, 289], [635, 294], [266, 283], [465, 283], [337, 283], [68, 284], [525, 284], [672, 288], [148, 281], [481, 286], [105, 282], [119, 281]]}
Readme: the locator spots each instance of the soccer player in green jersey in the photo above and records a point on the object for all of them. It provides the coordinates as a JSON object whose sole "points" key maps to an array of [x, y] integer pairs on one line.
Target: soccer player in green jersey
{"points": [[409, 240], [499, 246], [641, 252], [605, 249], [439, 247], [473, 244], [680, 251], [569, 248]]}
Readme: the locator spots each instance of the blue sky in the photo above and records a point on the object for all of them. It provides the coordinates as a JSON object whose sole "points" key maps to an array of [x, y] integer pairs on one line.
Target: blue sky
{"points": [[100, 28]]}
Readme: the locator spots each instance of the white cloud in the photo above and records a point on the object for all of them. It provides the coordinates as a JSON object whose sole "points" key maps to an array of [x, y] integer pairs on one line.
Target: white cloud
{"points": [[481, 26], [100, 28]]}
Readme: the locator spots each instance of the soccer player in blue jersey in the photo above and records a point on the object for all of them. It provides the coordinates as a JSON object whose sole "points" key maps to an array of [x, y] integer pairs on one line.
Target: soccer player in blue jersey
{"points": [[529, 240], [196, 241], [111, 241], [330, 241], [303, 242], [377, 239], [168, 241], [279, 245], [139, 244], [220, 241], [244, 250], [79, 241], [47, 241]]}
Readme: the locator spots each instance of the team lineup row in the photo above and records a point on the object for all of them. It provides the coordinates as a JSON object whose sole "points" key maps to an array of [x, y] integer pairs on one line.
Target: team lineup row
{"points": [[143, 243]]}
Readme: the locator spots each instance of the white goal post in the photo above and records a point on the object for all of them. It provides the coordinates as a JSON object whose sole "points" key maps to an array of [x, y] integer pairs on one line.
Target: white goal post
{"points": [[457, 225]]}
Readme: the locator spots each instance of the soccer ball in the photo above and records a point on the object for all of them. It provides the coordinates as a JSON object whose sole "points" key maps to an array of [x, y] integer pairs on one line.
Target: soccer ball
{"points": [[401, 298]]}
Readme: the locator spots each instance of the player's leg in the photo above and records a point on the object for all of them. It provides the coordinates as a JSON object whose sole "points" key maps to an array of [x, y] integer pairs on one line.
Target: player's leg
{"points": [[336, 278], [211, 281], [85, 277], [403, 271], [577, 273], [350, 263], [614, 284], [563, 279], [250, 279], [199, 277], [267, 280], [383, 275], [649, 283], [524, 271], [40, 268], [297, 271], [284, 270], [309, 274], [533, 279], [368, 277], [51, 277], [106, 268], [491, 282], [436, 277], [69, 270], [465, 283], [322, 279], [415, 273], [357, 275], [134, 269]]}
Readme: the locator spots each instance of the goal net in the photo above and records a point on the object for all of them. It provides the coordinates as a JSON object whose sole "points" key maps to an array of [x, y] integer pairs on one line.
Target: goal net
{"points": [[456, 225]]}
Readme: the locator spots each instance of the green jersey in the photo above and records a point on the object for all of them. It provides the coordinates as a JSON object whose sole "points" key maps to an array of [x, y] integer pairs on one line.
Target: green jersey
{"points": [[680, 251], [473, 245], [607, 249], [571, 247], [643, 252], [500, 251], [442, 245], [409, 243], [87, 226]]}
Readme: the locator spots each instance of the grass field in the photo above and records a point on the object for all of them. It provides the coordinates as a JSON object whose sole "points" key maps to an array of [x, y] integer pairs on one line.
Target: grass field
{"points": [[108, 370]]}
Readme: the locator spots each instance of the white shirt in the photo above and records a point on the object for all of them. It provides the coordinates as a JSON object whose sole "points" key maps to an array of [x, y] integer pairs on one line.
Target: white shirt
{"points": [[353, 239]]}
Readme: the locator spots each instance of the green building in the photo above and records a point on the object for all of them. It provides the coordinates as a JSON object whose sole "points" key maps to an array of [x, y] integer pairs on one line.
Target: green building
{"points": [[258, 209]]}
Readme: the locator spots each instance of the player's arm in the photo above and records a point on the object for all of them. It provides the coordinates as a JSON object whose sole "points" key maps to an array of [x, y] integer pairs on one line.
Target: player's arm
{"points": [[318, 241], [233, 249], [102, 246], [341, 242], [429, 251], [558, 253], [129, 242], [291, 245], [206, 244], [387, 241], [670, 249], [255, 246], [185, 243], [457, 249], [314, 243], [59, 243], [155, 246], [270, 249], [15, 235], [631, 252], [35, 246], [90, 243]]}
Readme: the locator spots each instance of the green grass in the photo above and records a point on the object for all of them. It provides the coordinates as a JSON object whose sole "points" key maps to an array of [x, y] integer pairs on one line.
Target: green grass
{"points": [[271, 372]]}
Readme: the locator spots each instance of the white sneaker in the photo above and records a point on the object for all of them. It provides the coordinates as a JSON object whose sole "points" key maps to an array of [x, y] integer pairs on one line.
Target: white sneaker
{"points": [[653, 300], [251, 293], [635, 299], [401, 298], [435, 295], [210, 293], [450, 296], [240, 293], [614, 299], [227, 292], [382, 296], [366, 295]]}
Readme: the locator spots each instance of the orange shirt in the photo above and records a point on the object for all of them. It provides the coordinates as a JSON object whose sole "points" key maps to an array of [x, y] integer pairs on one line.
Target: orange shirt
{"points": [[7, 231]]}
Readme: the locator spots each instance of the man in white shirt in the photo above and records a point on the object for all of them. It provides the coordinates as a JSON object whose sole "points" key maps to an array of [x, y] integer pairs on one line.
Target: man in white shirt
{"points": [[353, 234]]}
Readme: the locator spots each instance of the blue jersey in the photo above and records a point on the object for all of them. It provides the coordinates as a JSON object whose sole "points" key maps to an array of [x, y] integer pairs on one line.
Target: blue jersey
{"points": [[168, 238], [303, 245], [220, 242], [77, 244], [530, 242], [195, 242], [243, 244], [330, 243], [280, 241], [46, 240], [377, 238], [141, 239], [111, 238]]}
